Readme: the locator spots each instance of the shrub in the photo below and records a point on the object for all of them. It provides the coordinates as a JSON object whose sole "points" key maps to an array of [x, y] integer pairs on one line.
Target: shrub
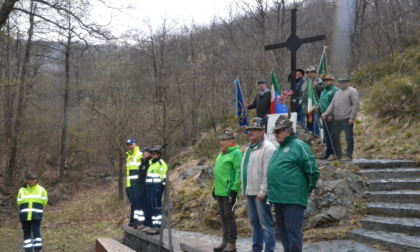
{"points": [[394, 97]]}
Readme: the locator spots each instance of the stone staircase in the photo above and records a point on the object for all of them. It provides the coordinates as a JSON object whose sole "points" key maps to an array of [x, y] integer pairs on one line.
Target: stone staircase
{"points": [[394, 206]]}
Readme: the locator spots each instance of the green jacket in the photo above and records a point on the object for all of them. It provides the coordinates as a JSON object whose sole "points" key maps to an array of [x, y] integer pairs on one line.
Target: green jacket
{"points": [[227, 171], [326, 97], [292, 173]]}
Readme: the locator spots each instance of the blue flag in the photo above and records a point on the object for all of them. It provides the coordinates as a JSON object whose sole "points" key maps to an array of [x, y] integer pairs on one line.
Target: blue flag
{"points": [[240, 111]]}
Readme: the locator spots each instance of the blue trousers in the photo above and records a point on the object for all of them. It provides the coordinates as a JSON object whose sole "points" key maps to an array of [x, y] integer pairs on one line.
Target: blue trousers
{"points": [[144, 210], [338, 127], [328, 126], [134, 198], [259, 214], [154, 206], [32, 235], [289, 219]]}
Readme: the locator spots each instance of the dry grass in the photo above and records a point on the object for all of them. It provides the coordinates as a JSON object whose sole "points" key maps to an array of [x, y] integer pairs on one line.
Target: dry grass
{"points": [[74, 225]]}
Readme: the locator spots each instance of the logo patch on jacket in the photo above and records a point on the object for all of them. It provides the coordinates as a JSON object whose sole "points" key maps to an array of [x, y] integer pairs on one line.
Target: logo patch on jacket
{"points": [[286, 149]]}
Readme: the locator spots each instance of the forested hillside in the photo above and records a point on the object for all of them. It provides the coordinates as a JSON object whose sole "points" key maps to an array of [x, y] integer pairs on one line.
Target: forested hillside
{"points": [[71, 93]]}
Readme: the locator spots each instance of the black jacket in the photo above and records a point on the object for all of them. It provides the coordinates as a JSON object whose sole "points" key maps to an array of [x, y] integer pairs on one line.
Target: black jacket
{"points": [[145, 163], [262, 103]]}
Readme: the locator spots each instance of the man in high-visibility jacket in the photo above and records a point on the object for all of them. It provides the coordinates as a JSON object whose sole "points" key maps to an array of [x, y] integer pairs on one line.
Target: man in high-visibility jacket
{"points": [[31, 198], [132, 186], [155, 183]]}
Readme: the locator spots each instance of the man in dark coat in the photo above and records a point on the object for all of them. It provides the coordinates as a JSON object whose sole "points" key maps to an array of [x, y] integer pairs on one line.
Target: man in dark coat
{"points": [[262, 100]]}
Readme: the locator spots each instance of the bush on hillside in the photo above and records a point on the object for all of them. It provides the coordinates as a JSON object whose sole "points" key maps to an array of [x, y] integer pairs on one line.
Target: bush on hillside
{"points": [[394, 97]]}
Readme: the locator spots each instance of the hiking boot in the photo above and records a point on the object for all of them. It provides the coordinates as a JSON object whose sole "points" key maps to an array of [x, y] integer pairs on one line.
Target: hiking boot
{"points": [[154, 231], [147, 229], [346, 158], [332, 158], [141, 226], [220, 247], [230, 247]]}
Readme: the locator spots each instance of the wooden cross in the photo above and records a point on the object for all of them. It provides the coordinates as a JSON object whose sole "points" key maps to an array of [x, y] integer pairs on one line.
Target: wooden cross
{"points": [[293, 43]]}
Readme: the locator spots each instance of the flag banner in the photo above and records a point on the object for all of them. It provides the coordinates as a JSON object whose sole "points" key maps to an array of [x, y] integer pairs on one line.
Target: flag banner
{"points": [[240, 111], [275, 107], [322, 69], [312, 101]]}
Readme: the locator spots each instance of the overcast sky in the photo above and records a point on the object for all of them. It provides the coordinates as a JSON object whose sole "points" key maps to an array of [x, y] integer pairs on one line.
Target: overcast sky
{"points": [[202, 11]]}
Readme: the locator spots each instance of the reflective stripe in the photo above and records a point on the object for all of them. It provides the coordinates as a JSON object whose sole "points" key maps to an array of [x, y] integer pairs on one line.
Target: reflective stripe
{"points": [[27, 241], [141, 218], [133, 177], [27, 246], [153, 180], [153, 175], [44, 198], [32, 210], [133, 163], [31, 197], [157, 217], [37, 239], [37, 245]]}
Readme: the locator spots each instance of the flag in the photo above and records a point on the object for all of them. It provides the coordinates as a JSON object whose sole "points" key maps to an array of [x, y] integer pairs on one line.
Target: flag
{"points": [[322, 69], [275, 107], [312, 101], [240, 111]]}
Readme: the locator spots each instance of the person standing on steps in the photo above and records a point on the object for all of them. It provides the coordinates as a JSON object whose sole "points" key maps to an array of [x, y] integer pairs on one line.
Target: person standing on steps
{"points": [[132, 186], [344, 107], [254, 186], [31, 199], [155, 183], [262, 102], [291, 177], [144, 215], [227, 184], [325, 100]]}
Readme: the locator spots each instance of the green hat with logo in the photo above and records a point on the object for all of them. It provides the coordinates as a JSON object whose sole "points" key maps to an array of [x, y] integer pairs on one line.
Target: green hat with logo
{"points": [[157, 149], [256, 123], [227, 134], [344, 78], [283, 122], [329, 77], [31, 176]]}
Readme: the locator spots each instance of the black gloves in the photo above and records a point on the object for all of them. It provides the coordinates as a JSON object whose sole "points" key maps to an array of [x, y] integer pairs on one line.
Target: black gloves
{"points": [[232, 196], [214, 195]]}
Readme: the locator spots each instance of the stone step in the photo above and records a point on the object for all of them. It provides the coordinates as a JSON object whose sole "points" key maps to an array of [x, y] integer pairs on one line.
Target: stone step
{"points": [[110, 245], [394, 184], [391, 173], [395, 209], [403, 196], [409, 226], [390, 240], [382, 163]]}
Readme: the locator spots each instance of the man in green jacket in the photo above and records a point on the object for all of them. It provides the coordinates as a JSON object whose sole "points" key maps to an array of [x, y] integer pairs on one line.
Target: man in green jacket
{"points": [[227, 183], [292, 175], [325, 100]]}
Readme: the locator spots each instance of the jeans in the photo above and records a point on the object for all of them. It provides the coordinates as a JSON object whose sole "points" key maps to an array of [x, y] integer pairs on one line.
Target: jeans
{"points": [[301, 117], [227, 216], [289, 219], [259, 214], [154, 196], [328, 126], [32, 235], [134, 198], [338, 126]]}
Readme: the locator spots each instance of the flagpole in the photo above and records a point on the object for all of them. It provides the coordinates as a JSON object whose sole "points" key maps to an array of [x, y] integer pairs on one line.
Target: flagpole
{"points": [[323, 53]]}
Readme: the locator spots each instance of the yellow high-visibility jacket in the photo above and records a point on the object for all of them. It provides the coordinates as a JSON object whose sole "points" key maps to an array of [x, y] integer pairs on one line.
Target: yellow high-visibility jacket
{"points": [[31, 201], [132, 166]]}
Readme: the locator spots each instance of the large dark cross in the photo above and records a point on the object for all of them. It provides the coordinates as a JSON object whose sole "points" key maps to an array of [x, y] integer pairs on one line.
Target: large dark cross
{"points": [[293, 43]]}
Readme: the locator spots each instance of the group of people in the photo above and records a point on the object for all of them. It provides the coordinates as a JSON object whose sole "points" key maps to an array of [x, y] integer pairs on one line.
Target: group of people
{"points": [[145, 184], [264, 176], [336, 111]]}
